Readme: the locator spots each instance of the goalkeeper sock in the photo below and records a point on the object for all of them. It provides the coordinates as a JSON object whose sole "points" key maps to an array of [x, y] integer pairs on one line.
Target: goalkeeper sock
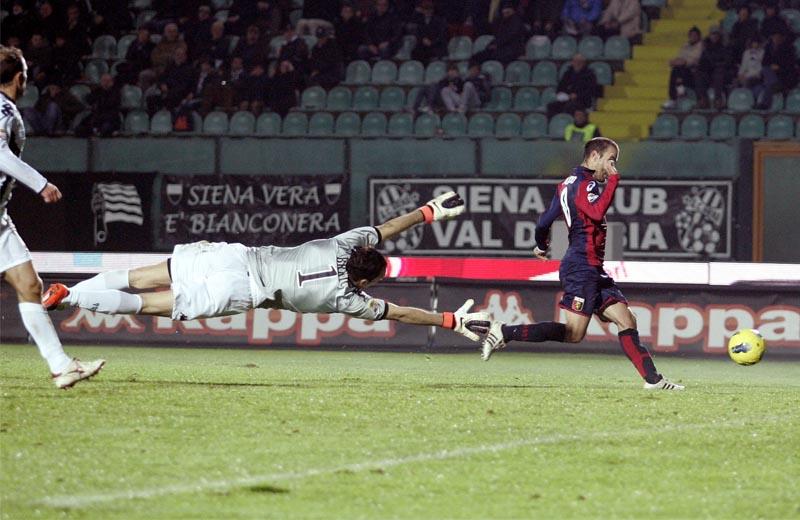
{"points": [[536, 333], [107, 302], [639, 355], [38, 324], [109, 280]]}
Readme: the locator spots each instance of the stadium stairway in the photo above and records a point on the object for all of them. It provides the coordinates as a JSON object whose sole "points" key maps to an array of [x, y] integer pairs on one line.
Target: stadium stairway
{"points": [[631, 105]]}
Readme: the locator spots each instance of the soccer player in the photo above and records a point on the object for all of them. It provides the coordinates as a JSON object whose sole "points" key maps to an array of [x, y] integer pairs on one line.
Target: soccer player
{"points": [[15, 260], [587, 288], [207, 279]]}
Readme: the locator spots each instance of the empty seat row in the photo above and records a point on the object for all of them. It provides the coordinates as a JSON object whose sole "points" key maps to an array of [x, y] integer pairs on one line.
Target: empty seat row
{"points": [[724, 126], [540, 47]]}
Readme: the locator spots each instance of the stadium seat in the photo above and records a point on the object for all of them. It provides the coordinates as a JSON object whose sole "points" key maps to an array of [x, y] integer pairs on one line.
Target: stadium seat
{"points": [[426, 125], [780, 127], [313, 98], [358, 72], [400, 125], [537, 48], [740, 100], [295, 123], [564, 48], [374, 124], [436, 70], [384, 72], [777, 102], [534, 126], [544, 74], [29, 97], [131, 97], [321, 124], [216, 123], [144, 17], [459, 48], [268, 124], [792, 17], [591, 47], [94, 69], [481, 43], [392, 99], [722, 126], [526, 100], [242, 123], [406, 47], [454, 125], [501, 100], [366, 98], [548, 96], [124, 44], [137, 122], [348, 124], [508, 125], [617, 48], [339, 99], [222, 15], [294, 17], [221, 4], [665, 127], [797, 48], [603, 72], [493, 69], [104, 47], [411, 73], [161, 122], [751, 126], [729, 20], [80, 92], [685, 103], [481, 125], [694, 126], [518, 72], [558, 123], [275, 45], [792, 104]]}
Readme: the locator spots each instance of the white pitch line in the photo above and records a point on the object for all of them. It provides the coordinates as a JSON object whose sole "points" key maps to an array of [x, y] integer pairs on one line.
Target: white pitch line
{"points": [[79, 501]]}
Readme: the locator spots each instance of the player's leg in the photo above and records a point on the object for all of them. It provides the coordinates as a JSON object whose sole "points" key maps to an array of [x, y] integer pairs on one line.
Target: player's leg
{"points": [[147, 277]]}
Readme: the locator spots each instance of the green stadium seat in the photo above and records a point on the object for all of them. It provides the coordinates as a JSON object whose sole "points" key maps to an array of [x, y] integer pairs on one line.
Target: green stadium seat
{"points": [[501, 100], [591, 47], [392, 99], [131, 97], [80, 92], [508, 125], [104, 47], [526, 100], [518, 72], [348, 124], [454, 125], [197, 124], [603, 72], [339, 99], [137, 122], [792, 17], [216, 123], [411, 73], [295, 124], [548, 96], [400, 125], [557, 124], [797, 129], [310, 40], [384, 72], [124, 44], [321, 124], [564, 48], [358, 72], [493, 69], [722, 126], [665, 127], [459, 48], [758, 15], [313, 98], [275, 45], [685, 103], [426, 125], [221, 4], [406, 47], [481, 125], [222, 15], [94, 69], [242, 123], [751, 126], [729, 20], [29, 97], [144, 17], [792, 104], [138, 5], [366, 98], [544, 74], [617, 48], [777, 102], [780, 127], [534, 126], [436, 70], [537, 48], [374, 124], [463, 68], [740, 100], [481, 43], [268, 123], [161, 122], [694, 126]]}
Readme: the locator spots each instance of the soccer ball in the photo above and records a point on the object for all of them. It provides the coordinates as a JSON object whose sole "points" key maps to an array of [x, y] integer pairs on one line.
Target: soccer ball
{"points": [[746, 347]]}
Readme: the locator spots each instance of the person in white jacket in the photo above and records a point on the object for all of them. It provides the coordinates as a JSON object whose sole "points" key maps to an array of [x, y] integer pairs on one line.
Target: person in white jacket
{"points": [[621, 17]]}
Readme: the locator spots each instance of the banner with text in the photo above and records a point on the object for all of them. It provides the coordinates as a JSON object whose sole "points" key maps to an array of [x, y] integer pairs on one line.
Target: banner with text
{"points": [[254, 210], [688, 219]]}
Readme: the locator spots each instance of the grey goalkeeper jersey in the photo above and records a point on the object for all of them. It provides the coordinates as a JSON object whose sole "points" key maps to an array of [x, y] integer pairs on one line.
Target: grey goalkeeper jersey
{"points": [[312, 277]]}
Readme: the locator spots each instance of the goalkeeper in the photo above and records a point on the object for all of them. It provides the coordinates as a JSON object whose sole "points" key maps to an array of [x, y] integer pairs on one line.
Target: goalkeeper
{"points": [[206, 279]]}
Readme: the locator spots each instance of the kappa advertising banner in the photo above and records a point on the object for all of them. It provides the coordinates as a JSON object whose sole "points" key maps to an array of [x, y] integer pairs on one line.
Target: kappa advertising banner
{"points": [[98, 212], [254, 210], [663, 219]]}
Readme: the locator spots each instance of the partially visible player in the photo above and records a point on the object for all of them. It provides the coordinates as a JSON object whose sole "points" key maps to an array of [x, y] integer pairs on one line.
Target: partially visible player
{"points": [[15, 260], [587, 287], [205, 279]]}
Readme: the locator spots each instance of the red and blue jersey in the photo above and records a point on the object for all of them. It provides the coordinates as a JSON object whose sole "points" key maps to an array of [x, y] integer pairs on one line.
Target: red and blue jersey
{"points": [[583, 204]]}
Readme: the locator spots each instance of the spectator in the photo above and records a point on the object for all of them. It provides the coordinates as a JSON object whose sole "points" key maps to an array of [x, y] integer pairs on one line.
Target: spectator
{"points": [[269, 18], [581, 129], [294, 49], [576, 90], [252, 50], [451, 90], [326, 63], [317, 13], [17, 24], [684, 67], [216, 48], [745, 29], [455, 14], [780, 68], [240, 16], [349, 31], [65, 63], [48, 23], [177, 80], [178, 11], [773, 23], [76, 34], [254, 90], [431, 33], [509, 37], [198, 31], [286, 86], [749, 74], [54, 109], [233, 81], [40, 58], [151, 91], [118, 20], [712, 71], [164, 52], [383, 34], [579, 16], [621, 17], [140, 50], [97, 26], [205, 82], [477, 87], [545, 17], [104, 102]]}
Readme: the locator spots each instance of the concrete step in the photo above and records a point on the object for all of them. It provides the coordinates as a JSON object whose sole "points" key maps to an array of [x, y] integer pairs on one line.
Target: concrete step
{"points": [[623, 118], [631, 92], [639, 79], [648, 66], [682, 25], [655, 52], [630, 105]]}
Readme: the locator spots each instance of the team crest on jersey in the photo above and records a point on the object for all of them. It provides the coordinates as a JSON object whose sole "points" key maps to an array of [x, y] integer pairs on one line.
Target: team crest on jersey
{"points": [[577, 304]]}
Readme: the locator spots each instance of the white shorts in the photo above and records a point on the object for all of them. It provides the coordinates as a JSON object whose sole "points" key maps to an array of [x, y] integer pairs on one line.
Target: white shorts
{"points": [[13, 250], [209, 279]]}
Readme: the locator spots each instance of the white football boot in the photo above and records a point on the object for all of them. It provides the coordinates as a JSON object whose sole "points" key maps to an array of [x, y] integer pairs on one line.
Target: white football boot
{"points": [[663, 384], [493, 340], [77, 370]]}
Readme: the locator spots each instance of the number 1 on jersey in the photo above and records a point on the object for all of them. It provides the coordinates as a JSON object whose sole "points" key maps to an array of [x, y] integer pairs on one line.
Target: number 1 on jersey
{"points": [[307, 277]]}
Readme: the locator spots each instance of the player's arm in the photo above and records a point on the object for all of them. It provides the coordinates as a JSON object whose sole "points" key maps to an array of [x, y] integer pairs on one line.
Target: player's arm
{"points": [[596, 206], [461, 321], [542, 233], [15, 167], [443, 207]]}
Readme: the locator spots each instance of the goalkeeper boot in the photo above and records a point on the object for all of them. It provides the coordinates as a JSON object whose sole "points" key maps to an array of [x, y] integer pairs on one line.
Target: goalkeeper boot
{"points": [[77, 370], [663, 384], [54, 295], [494, 340]]}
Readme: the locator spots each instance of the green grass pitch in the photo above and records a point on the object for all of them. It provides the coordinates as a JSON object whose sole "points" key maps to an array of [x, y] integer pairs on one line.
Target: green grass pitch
{"points": [[232, 434]]}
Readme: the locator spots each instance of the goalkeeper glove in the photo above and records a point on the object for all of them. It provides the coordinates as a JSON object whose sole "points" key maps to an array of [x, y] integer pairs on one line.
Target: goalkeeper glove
{"points": [[467, 323], [444, 207]]}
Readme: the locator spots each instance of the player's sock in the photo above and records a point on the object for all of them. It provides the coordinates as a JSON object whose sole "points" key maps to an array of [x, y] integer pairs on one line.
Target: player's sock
{"points": [[536, 333], [104, 281], [638, 354], [107, 302], [37, 323]]}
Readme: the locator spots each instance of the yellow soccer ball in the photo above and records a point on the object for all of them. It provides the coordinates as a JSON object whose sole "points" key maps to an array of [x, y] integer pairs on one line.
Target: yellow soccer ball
{"points": [[746, 347]]}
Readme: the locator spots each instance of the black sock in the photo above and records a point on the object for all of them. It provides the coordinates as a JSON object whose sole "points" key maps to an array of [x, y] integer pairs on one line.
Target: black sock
{"points": [[536, 333], [638, 354]]}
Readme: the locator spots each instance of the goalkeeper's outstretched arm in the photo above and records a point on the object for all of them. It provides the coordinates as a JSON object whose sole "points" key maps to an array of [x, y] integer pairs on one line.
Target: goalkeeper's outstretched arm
{"points": [[443, 207], [461, 321]]}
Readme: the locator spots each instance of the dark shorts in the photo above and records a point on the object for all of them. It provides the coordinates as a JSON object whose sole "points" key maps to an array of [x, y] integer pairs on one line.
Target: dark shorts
{"points": [[588, 289]]}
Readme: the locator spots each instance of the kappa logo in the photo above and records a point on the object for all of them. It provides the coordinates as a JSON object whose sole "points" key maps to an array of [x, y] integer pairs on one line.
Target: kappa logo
{"points": [[577, 303], [506, 307]]}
